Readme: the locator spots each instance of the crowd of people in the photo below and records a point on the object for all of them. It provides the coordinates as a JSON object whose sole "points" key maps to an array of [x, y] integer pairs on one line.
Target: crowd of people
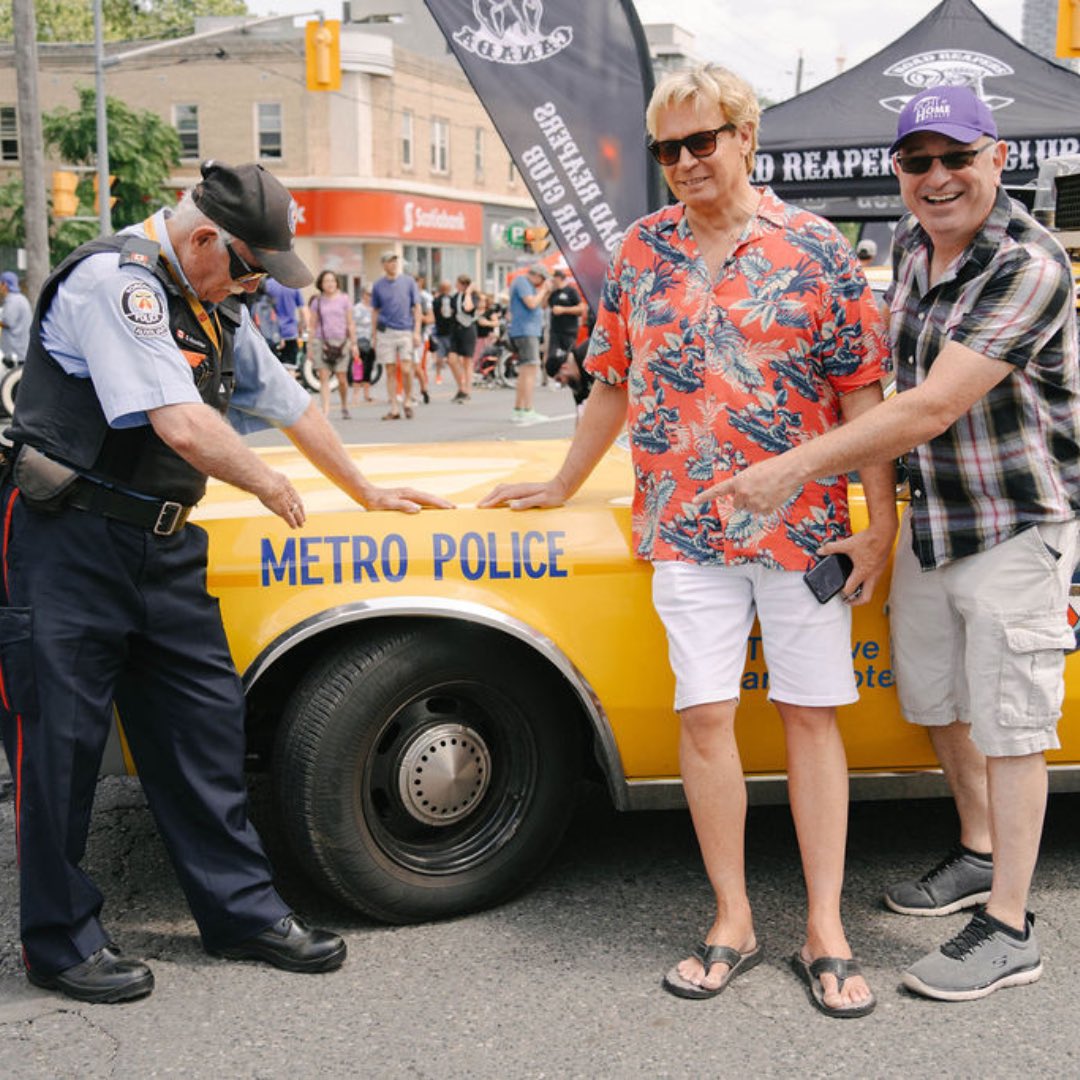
{"points": [[739, 343], [400, 331]]}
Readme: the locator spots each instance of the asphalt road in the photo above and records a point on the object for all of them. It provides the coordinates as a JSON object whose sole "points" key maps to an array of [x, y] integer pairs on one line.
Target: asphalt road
{"points": [[564, 980], [561, 982], [485, 416]]}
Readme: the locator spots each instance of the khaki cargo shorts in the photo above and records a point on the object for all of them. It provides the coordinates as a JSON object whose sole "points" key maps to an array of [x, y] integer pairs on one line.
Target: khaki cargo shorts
{"points": [[982, 640]]}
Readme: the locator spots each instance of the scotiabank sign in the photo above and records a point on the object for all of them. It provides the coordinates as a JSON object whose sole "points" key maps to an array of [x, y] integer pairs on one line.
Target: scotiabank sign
{"points": [[383, 214]]}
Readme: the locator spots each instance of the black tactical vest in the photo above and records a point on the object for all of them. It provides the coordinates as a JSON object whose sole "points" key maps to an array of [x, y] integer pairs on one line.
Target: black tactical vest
{"points": [[60, 413]]}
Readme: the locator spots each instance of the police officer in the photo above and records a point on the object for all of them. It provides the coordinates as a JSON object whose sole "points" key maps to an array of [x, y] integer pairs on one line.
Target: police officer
{"points": [[142, 369]]}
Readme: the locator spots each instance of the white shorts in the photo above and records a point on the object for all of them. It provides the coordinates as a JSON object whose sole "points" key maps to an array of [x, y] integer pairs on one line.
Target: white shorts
{"points": [[982, 639], [708, 612]]}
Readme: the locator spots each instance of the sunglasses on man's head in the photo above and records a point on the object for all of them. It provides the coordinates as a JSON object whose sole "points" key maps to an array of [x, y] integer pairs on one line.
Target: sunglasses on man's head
{"points": [[954, 160], [701, 144], [240, 270]]}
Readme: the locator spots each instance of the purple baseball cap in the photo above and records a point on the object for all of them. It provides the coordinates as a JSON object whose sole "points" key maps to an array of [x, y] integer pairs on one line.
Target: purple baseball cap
{"points": [[956, 112]]}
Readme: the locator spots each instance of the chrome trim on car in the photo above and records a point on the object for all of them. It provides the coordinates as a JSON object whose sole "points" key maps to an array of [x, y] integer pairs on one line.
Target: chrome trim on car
{"points": [[607, 750], [771, 789]]}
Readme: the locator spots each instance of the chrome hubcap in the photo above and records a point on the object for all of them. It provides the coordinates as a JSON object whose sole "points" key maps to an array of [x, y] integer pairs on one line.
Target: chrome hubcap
{"points": [[444, 773]]}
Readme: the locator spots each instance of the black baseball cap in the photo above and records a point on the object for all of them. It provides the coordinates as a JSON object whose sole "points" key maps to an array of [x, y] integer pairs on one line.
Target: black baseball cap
{"points": [[255, 207], [555, 360]]}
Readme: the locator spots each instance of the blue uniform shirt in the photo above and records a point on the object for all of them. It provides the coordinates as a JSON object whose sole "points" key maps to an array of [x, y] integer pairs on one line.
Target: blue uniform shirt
{"points": [[93, 331]]}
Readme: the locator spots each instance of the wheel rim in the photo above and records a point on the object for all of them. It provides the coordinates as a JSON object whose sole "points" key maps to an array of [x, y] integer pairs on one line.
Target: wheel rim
{"points": [[443, 774], [493, 778]]}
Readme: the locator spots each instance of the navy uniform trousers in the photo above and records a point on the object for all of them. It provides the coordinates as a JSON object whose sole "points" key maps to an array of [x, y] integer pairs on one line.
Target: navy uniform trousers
{"points": [[99, 610]]}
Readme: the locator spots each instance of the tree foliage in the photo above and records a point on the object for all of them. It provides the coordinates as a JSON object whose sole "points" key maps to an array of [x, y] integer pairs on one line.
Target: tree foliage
{"points": [[143, 150], [124, 20]]}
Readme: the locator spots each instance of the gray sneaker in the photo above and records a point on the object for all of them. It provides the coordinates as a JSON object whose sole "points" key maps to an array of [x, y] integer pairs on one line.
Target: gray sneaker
{"points": [[961, 880], [982, 958]]}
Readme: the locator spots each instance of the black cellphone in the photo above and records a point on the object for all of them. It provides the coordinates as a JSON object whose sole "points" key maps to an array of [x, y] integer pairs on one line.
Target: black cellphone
{"points": [[827, 578]]}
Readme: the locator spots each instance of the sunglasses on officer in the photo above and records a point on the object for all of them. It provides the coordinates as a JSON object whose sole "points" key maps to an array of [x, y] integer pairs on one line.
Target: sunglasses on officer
{"points": [[953, 160], [701, 144], [240, 270]]}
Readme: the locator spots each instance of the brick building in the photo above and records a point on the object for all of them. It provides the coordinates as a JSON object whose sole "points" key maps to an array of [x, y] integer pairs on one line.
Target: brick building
{"points": [[403, 157]]}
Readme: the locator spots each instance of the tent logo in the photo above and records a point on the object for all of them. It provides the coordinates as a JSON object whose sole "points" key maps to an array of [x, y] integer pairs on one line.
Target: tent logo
{"points": [[947, 67], [509, 32]]}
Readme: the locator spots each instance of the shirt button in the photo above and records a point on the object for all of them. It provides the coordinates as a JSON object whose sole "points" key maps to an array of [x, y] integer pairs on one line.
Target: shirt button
{"points": [[917, 493], [922, 315], [911, 359]]}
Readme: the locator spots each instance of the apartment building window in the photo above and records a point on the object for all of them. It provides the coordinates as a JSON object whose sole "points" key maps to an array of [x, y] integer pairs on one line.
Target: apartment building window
{"points": [[478, 153], [440, 145], [186, 122], [269, 130], [9, 134], [407, 139]]}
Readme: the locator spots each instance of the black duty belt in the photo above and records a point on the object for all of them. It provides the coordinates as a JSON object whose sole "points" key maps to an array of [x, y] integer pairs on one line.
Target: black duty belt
{"points": [[162, 517]]}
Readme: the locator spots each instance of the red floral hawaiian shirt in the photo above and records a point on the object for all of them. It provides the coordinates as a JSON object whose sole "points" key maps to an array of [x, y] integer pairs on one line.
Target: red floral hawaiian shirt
{"points": [[722, 373]]}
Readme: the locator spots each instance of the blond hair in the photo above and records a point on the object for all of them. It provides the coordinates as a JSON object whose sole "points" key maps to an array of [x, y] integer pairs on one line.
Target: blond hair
{"points": [[707, 86]]}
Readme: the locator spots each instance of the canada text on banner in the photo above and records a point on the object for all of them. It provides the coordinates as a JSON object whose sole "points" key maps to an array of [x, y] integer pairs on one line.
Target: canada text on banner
{"points": [[566, 84]]}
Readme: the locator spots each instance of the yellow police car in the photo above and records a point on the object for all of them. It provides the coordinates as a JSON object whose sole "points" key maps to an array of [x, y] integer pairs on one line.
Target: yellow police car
{"points": [[429, 689]]}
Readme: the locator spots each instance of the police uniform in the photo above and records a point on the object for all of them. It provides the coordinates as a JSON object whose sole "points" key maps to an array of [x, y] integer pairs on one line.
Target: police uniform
{"points": [[106, 591]]}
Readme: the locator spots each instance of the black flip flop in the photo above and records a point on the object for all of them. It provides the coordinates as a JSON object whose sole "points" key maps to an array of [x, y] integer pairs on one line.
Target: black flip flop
{"points": [[736, 961], [810, 973]]}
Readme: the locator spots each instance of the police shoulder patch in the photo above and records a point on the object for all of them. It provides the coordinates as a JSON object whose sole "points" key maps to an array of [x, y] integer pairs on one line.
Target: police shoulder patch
{"points": [[142, 307], [139, 251]]}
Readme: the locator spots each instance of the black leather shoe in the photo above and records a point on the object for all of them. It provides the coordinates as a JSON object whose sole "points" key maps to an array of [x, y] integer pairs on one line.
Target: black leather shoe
{"points": [[103, 977], [288, 944]]}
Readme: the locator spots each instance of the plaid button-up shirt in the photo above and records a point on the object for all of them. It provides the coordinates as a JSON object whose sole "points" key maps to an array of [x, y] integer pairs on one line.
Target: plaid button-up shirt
{"points": [[1013, 460]]}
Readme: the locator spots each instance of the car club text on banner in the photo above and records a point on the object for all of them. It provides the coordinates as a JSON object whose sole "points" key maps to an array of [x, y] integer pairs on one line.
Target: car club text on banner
{"points": [[566, 84]]}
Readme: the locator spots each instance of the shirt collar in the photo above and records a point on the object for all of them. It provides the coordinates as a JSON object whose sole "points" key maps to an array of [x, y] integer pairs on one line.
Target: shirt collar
{"points": [[771, 209]]}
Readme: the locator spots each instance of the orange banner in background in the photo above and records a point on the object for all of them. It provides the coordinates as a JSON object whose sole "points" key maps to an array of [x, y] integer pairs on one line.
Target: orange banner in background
{"points": [[381, 213]]}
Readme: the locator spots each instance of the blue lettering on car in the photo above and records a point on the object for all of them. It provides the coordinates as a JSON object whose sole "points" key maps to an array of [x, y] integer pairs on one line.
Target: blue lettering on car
{"points": [[319, 560]]}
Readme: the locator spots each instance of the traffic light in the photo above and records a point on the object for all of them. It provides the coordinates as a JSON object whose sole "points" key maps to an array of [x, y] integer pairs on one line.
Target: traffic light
{"points": [[537, 238], [65, 200], [112, 198], [1068, 28], [322, 54]]}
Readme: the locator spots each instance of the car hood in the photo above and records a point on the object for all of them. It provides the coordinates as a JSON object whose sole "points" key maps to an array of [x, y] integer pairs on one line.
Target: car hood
{"points": [[459, 471]]}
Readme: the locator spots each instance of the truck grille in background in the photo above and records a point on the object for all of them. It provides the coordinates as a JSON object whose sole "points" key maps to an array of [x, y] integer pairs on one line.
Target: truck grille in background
{"points": [[1067, 215]]}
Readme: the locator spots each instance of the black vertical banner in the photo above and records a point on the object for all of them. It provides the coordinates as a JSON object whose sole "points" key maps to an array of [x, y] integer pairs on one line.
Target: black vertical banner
{"points": [[566, 83]]}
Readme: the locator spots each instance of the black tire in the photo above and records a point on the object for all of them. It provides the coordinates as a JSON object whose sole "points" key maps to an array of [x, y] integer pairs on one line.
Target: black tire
{"points": [[425, 703], [309, 377], [509, 369], [9, 389]]}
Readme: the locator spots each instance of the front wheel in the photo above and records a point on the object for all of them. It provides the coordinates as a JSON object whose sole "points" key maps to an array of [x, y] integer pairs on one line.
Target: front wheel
{"points": [[309, 377], [427, 773], [9, 389]]}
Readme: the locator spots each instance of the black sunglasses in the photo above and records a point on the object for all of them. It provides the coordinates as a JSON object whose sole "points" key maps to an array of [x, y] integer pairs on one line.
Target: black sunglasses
{"points": [[954, 160], [701, 144], [240, 270]]}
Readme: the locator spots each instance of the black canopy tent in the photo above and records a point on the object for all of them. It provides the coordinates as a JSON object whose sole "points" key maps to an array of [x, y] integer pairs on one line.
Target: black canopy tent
{"points": [[827, 149]]}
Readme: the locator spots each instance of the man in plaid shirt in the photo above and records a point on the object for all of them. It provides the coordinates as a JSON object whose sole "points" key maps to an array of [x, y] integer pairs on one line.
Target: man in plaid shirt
{"points": [[984, 341]]}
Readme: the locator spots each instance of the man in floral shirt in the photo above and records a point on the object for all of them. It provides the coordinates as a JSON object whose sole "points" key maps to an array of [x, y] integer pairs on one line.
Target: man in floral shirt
{"points": [[733, 328]]}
